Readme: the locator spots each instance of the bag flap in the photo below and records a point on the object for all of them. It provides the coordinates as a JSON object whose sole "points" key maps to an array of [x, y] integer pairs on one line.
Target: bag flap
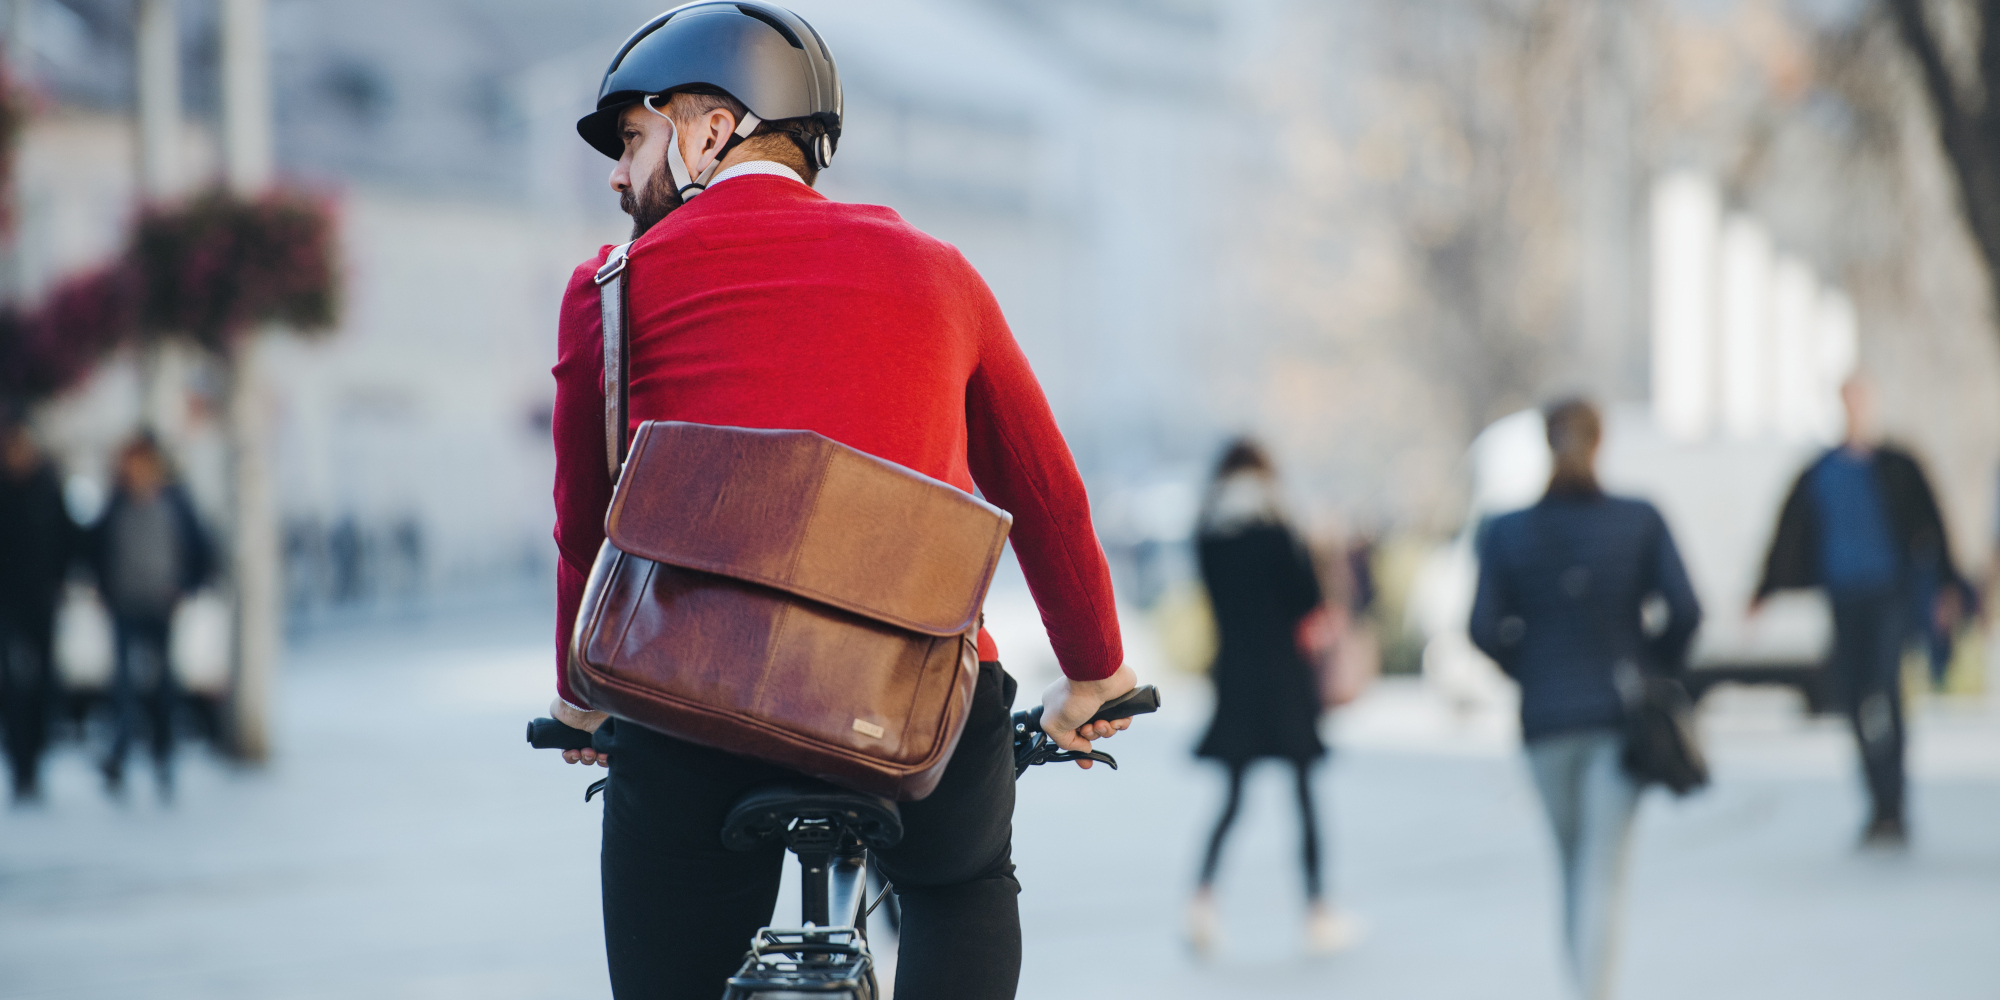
{"points": [[810, 516]]}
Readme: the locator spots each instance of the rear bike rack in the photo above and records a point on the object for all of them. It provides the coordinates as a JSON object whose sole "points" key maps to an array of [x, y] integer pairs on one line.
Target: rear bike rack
{"points": [[811, 960]]}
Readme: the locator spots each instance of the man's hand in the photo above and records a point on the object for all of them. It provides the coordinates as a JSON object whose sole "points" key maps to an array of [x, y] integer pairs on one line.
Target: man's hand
{"points": [[1067, 704], [1948, 610], [586, 721]]}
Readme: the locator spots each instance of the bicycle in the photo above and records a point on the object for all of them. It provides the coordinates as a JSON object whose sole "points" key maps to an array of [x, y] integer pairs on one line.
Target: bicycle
{"points": [[832, 830]]}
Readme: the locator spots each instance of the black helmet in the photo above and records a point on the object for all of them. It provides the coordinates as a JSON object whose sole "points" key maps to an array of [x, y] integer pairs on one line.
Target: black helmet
{"points": [[759, 53]]}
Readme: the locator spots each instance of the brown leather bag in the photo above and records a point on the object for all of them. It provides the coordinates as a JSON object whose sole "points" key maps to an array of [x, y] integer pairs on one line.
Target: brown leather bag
{"points": [[777, 594]]}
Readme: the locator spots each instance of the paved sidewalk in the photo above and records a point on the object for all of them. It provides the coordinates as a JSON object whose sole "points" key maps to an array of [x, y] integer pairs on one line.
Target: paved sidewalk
{"points": [[1751, 890], [406, 844]]}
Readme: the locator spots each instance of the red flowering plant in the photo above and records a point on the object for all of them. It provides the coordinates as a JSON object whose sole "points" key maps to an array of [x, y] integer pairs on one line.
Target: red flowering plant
{"points": [[46, 351], [208, 269], [217, 265]]}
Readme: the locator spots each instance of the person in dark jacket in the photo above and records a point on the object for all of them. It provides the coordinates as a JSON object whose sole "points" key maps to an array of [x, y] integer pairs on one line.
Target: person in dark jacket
{"points": [[149, 553], [1262, 585], [1861, 523], [1561, 587], [37, 541]]}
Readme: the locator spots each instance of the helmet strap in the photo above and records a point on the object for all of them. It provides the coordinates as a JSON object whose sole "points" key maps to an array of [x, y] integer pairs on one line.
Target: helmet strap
{"points": [[677, 167]]}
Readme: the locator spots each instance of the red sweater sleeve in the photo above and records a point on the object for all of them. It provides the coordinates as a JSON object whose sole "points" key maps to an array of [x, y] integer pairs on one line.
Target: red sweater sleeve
{"points": [[1022, 465], [583, 485]]}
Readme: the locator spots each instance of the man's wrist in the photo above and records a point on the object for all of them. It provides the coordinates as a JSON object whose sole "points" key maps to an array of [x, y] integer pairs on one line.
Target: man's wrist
{"points": [[1117, 682], [574, 717]]}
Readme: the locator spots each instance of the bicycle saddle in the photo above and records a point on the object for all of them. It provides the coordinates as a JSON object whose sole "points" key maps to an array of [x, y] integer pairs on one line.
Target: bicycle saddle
{"points": [[765, 812]]}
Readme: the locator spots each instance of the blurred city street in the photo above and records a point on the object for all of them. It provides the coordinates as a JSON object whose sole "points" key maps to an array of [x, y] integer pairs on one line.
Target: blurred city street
{"points": [[406, 844], [1452, 364]]}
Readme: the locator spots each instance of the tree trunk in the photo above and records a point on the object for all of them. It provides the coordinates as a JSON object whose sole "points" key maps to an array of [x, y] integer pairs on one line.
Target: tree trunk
{"points": [[20, 42], [247, 155], [1968, 127], [246, 97], [159, 71], [253, 558], [20, 53]]}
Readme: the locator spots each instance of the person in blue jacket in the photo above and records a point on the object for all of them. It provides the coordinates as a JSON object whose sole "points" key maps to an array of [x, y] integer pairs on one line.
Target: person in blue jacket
{"points": [[1562, 586], [1862, 524]]}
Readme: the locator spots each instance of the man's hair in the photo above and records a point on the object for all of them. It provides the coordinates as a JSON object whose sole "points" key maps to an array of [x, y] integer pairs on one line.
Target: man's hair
{"points": [[143, 443], [1244, 454], [1574, 428], [777, 140]]}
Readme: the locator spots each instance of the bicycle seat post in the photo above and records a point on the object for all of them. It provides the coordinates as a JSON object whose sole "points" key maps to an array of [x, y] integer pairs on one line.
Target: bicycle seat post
{"points": [[829, 853], [814, 841], [850, 884]]}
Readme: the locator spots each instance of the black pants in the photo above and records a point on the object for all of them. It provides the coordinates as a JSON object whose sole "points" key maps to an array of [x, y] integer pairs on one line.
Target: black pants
{"points": [[143, 677], [1869, 633], [27, 683], [1308, 825], [680, 909]]}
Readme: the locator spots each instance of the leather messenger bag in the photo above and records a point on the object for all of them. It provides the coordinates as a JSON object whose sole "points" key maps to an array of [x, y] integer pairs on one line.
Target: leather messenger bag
{"points": [[777, 594]]}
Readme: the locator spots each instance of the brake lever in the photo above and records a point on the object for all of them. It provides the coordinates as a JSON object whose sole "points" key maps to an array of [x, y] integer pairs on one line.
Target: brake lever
{"points": [[1063, 756], [1042, 750]]}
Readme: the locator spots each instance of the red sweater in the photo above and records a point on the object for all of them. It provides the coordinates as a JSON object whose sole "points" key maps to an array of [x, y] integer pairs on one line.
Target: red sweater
{"points": [[762, 304]]}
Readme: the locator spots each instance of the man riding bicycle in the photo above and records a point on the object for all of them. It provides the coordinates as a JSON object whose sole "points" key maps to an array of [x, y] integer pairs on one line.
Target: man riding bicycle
{"points": [[756, 302]]}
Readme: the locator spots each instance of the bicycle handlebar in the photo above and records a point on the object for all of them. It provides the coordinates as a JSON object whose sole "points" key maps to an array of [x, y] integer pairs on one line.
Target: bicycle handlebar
{"points": [[1032, 746], [549, 734]]}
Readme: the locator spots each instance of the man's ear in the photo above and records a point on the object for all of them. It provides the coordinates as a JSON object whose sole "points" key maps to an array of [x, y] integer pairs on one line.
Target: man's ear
{"points": [[719, 125]]}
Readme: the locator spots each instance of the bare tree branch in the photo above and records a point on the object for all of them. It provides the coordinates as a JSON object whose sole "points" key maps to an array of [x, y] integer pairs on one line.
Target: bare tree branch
{"points": [[1916, 29], [1989, 63]]}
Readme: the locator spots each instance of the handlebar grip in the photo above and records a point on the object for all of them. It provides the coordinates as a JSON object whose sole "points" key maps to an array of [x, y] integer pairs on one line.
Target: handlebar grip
{"points": [[1141, 700], [548, 734]]}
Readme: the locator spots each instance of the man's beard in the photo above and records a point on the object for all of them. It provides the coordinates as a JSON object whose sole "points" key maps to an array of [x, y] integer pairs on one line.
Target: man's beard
{"points": [[650, 205]]}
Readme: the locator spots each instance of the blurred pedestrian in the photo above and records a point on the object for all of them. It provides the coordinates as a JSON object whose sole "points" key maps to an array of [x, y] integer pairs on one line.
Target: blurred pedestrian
{"points": [[1362, 593], [1561, 586], [1862, 524], [149, 553], [1262, 586], [37, 541], [1992, 600]]}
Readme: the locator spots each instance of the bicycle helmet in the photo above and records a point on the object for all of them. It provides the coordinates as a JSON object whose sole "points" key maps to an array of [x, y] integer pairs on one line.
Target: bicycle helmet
{"points": [[759, 53]]}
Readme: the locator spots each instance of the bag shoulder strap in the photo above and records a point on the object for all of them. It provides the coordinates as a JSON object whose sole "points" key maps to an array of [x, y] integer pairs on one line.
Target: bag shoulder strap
{"points": [[611, 299]]}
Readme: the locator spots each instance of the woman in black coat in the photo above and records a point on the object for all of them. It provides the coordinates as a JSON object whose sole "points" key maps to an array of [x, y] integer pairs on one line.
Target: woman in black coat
{"points": [[1262, 585]]}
